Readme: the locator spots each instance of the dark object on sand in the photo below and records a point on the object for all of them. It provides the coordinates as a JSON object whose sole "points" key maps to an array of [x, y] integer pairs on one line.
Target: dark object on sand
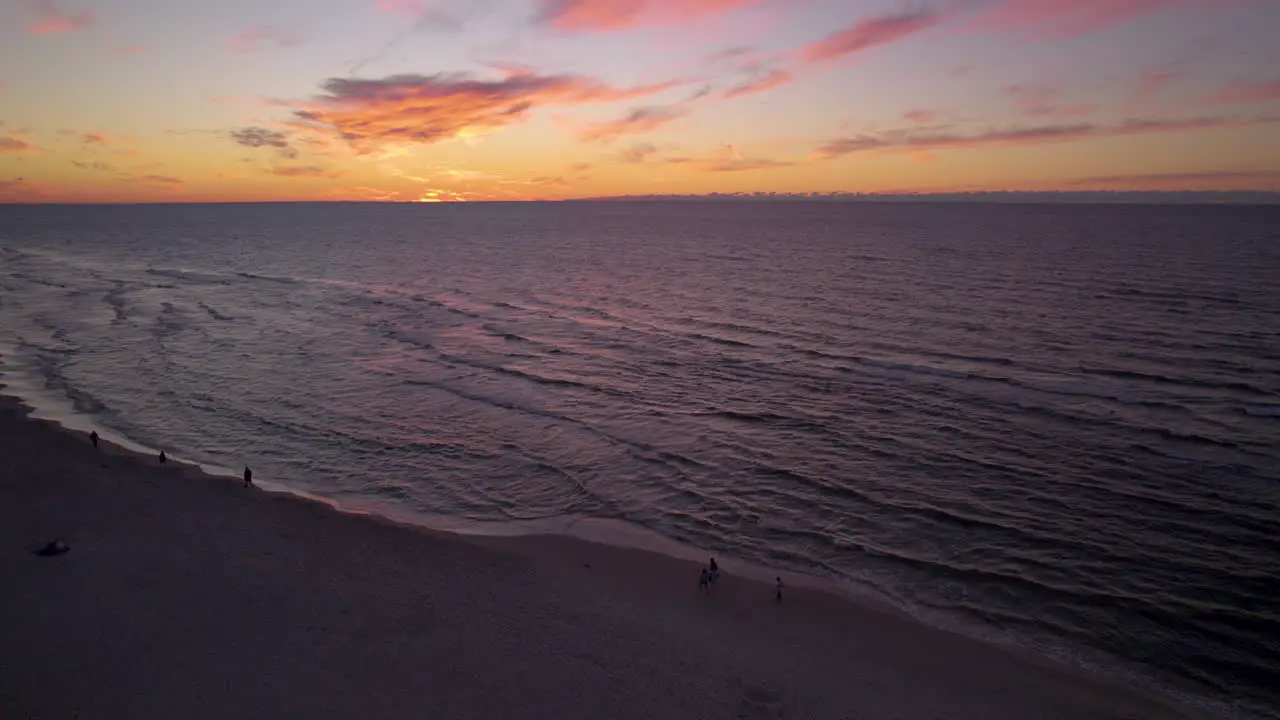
{"points": [[93, 438], [52, 548], [248, 477], [777, 596], [162, 457]]}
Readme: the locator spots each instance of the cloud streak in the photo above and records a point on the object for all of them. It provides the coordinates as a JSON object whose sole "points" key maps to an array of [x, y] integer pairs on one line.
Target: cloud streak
{"points": [[911, 141], [637, 122], [763, 82], [52, 20], [303, 171], [1181, 179]]}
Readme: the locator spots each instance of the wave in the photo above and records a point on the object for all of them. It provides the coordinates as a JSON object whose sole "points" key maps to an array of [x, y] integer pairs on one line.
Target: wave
{"points": [[270, 278], [195, 276], [718, 340], [1167, 380], [1180, 296], [212, 312], [1267, 410]]}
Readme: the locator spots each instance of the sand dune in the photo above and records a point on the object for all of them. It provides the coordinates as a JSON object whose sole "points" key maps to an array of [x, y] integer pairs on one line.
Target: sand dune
{"points": [[187, 596]]}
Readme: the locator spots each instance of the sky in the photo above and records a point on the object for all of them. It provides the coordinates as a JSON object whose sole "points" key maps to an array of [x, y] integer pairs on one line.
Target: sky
{"points": [[473, 100]]}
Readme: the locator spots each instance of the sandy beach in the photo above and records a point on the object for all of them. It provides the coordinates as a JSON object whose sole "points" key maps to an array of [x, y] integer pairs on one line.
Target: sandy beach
{"points": [[188, 596]]}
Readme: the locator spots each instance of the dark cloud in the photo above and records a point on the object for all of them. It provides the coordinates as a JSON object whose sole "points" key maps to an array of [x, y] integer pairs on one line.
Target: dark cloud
{"points": [[260, 137], [433, 108], [914, 140]]}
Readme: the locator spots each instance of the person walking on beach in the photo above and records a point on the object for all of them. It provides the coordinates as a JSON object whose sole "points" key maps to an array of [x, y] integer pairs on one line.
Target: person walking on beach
{"points": [[704, 581], [162, 457], [777, 590], [713, 574], [248, 477], [93, 438]]}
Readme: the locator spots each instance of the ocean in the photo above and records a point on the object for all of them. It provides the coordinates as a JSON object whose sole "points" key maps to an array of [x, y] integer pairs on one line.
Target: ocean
{"points": [[1055, 427]]}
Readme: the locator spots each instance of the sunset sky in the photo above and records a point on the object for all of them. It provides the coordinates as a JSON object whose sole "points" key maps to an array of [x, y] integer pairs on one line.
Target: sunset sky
{"points": [[169, 100]]}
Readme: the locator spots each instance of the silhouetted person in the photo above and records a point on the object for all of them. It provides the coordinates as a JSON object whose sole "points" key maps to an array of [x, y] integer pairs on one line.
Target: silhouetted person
{"points": [[248, 477], [777, 590], [714, 573], [93, 438], [162, 457], [704, 581]]}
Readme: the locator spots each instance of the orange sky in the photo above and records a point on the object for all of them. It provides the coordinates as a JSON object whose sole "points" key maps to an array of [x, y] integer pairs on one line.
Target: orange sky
{"points": [[407, 100]]}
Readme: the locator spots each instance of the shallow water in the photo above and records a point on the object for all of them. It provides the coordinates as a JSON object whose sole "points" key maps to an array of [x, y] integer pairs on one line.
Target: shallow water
{"points": [[1051, 425]]}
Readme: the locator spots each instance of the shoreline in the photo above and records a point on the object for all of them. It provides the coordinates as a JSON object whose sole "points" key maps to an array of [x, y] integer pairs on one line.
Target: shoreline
{"points": [[640, 592]]}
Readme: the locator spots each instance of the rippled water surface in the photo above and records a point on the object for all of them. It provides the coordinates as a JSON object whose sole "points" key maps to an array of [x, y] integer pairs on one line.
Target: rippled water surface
{"points": [[1052, 425]]}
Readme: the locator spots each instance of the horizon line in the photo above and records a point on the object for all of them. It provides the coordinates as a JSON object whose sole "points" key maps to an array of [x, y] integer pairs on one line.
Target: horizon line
{"points": [[1136, 197]]}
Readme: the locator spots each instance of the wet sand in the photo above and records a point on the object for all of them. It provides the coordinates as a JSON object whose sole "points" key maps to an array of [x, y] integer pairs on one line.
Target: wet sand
{"points": [[186, 595]]}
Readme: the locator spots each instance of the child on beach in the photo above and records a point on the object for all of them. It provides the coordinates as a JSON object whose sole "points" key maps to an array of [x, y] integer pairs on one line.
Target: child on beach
{"points": [[777, 588], [93, 438], [713, 574], [704, 581], [248, 477]]}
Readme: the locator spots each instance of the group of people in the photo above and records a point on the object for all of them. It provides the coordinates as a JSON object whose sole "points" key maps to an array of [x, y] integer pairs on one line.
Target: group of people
{"points": [[248, 474], [709, 576], [711, 573], [706, 581]]}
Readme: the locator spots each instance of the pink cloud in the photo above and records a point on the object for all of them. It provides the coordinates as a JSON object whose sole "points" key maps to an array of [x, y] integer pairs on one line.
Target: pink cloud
{"points": [[1243, 93], [256, 38], [921, 116], [1070, 18], [870, 33], [129, 50], [609, 15], [762, 83], [96, 138], [11, 143], [51, 20], [405, 8]]}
